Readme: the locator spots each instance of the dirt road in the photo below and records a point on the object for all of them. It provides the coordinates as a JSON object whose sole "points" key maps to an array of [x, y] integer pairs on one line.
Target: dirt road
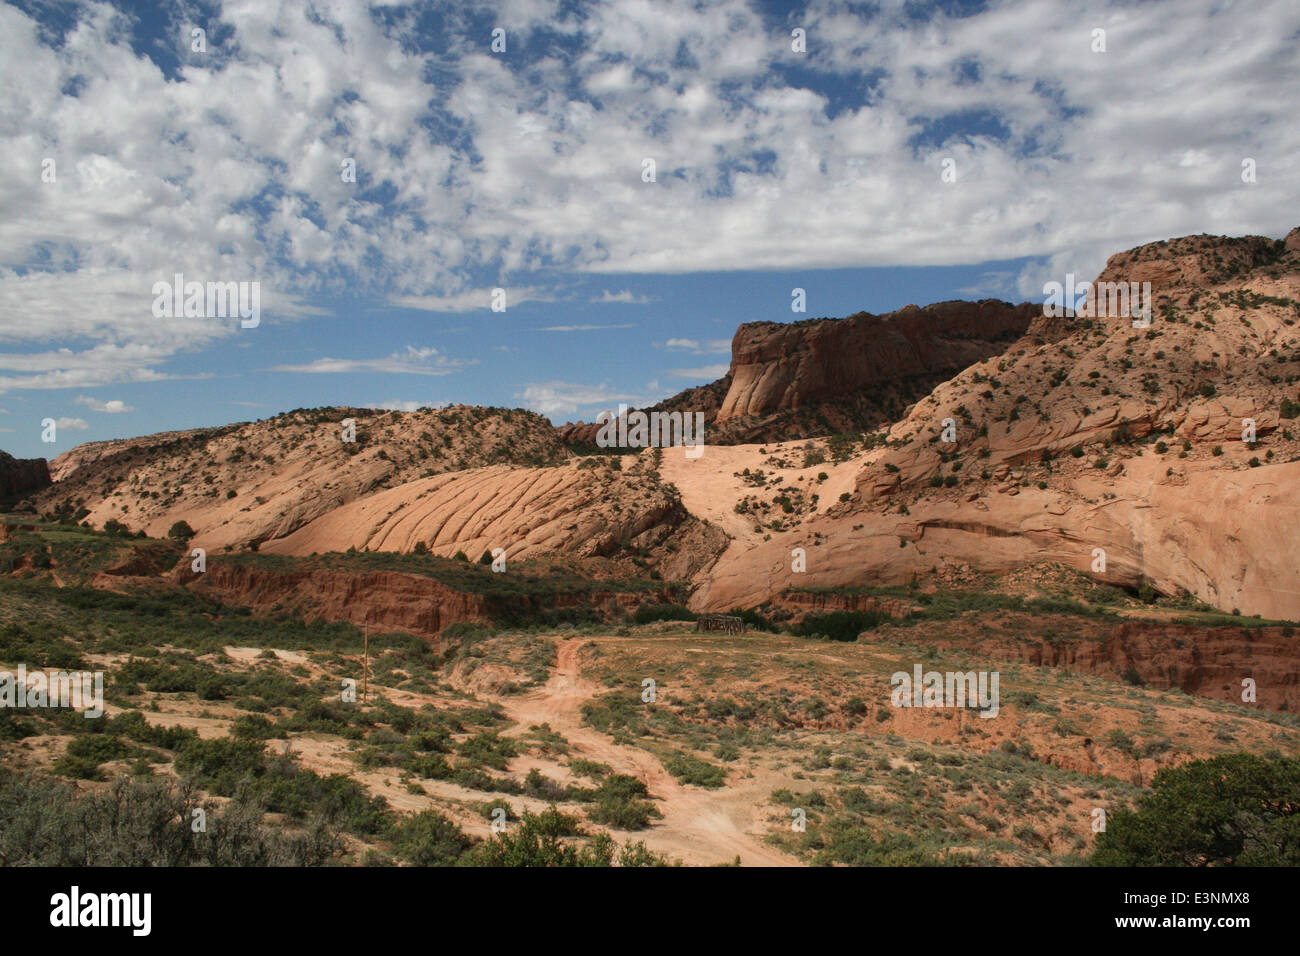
{"points": [[699, 826]]}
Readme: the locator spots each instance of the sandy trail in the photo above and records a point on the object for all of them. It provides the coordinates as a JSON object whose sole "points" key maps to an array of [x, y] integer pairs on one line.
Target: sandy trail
{"points": [[699, 826]]}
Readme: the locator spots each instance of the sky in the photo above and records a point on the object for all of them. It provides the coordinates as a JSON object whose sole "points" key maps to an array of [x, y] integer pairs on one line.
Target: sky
{"points": [[380, 170]]}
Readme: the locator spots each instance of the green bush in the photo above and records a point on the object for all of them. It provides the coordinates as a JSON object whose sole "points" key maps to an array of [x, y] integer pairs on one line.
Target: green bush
{"points": [[690, 769], [537, 840], [1231, 810], [619, 802], [648, 613], [838, 625], [220, 764], [44, 822], [429, 838]]}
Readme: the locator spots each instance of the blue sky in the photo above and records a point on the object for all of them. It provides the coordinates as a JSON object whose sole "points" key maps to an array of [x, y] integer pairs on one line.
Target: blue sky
{"points": [[522, 170]]}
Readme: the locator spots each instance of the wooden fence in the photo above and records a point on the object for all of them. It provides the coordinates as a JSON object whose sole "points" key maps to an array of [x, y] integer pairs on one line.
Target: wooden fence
{"points": [[720, 622]]}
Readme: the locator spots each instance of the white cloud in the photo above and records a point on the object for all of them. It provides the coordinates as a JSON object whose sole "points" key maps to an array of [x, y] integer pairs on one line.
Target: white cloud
{"points": [[229, 170], [400, 405], [625, 296], [113, 406], [472, 300], [582, 328], [565, 398], [414, 361], [706, 372], [104, 364], [991, 285], [72, 424], [709, 347]]}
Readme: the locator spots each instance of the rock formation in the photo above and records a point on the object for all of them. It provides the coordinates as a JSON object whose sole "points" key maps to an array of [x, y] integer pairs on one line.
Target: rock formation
{"points": [[20, 476], [1164, 454]]}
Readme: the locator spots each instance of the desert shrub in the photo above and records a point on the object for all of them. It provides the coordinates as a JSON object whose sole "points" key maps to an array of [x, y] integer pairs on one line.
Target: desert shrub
{"points": [[648, 613], [844, 840], [44, 822], [17, 643], [488, 749], [589, 768], [430, 767], [620, 802], [838, 625], [465, 631], [254, 727], [220, 764], [537, 841], [429, 838], [132, 724], [690, 769]]}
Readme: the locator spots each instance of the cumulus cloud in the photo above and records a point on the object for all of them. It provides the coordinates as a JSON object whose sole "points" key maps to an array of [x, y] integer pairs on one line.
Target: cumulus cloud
{"points": [[565, 398], [113, 406], [103, 364], [476, 170]]}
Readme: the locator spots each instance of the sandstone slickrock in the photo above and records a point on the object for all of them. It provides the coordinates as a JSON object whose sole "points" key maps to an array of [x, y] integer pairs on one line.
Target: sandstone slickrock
{"points": [[1074, 437], [1163, 482]]}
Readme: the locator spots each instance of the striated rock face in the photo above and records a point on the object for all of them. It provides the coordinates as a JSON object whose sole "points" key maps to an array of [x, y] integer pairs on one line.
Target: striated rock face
{"points": [[385, 599], [1167, 454], [786, 367], [393, 600], [1201, 661], [242, 484], [527, 511], [18, 476]]}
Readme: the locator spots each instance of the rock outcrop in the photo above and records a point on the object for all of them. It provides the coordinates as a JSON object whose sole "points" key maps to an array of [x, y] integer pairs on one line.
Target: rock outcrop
{"points": [[984, 434], [777, 367], [1201, 661], [388, 600], [21, 476], [1092, 438], [822, 376], [243, 484]]}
